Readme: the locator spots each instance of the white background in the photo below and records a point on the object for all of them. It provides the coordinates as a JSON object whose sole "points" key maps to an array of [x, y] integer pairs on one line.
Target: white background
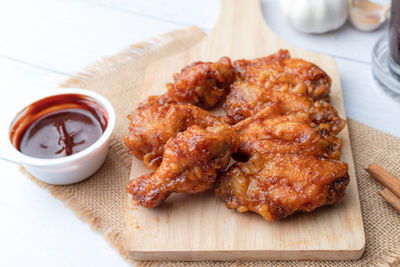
{"points": [[43, 42]]}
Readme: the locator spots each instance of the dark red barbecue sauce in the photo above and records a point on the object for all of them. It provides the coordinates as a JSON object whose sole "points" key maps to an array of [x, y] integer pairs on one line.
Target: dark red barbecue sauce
{"points": [[58, 126]]}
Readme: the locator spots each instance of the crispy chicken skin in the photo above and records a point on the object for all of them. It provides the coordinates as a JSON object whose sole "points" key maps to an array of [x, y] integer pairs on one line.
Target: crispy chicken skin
{"points": [[204, 84], [268, 131], [151, 127], [292, 165], [247, 98], [250, 69], [294, 84], [278, 185], [280, 72], [191, 163]]}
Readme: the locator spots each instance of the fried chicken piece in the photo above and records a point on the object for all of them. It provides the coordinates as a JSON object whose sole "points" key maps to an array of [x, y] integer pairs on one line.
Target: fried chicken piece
{"points": [[191, 163], [268, 131], [294, 84], [247, 98], [151, 127], [204, 84], [280, 72], [250, 69], [278, 185]]}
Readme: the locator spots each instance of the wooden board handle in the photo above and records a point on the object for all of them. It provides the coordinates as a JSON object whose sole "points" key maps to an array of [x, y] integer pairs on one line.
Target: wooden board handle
{"points": [[241, 24], [243, 11]]}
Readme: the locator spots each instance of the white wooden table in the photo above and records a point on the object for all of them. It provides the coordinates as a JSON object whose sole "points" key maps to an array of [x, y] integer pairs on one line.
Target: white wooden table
{"points": [[43, 42]]}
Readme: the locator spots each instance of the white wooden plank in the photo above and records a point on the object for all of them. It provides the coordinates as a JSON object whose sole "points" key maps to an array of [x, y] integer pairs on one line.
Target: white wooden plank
{"points": [[202, 13], [67, 35], [38, 230]]}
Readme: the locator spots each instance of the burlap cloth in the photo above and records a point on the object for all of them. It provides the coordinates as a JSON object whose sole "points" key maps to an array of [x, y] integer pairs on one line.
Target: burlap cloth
{"points": [[100, 200]]}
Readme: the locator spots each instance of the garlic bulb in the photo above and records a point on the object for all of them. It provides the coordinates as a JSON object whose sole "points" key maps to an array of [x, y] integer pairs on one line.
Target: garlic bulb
{"points": [[315, 16], [366, 15]]}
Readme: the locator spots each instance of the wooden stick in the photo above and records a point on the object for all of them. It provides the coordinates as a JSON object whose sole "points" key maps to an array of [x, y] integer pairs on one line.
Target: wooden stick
{"points": [[391, 198], [384, 177]]}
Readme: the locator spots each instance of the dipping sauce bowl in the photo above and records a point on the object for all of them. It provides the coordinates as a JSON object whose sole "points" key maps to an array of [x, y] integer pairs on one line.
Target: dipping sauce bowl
{"points": [[62, 137]]}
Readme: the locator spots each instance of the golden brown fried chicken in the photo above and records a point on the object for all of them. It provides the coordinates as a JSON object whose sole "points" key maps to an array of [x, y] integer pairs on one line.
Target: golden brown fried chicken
{"points": [[204, 84], [151, 127], [294, 84], [247, 98], [278, 185], [269, 132], [191, 162], [286, 125], [280, 72], [250, 69]]}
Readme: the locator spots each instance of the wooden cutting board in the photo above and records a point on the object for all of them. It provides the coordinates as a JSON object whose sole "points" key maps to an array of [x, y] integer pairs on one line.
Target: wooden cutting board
{"points": [[200, 227]]}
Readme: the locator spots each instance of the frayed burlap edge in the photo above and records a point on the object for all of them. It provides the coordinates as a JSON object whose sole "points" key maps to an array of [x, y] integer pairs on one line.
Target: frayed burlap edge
{"points": [[136, 51]]}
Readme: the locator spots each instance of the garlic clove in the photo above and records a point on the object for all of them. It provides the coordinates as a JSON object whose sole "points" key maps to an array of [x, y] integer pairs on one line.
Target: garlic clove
{"points": [[366, 15]]}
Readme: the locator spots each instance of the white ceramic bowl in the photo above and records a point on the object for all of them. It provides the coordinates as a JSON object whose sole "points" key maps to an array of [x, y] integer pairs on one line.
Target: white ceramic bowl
{"points": [[74, 168]]}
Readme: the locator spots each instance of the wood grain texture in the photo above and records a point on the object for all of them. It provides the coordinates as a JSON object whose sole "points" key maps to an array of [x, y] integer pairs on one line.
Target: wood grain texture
{"points": [[199, 227]]}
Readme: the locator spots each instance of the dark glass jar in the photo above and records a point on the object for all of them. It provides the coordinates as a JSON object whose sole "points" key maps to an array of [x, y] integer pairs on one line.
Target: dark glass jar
{"points": [[394, 31]]}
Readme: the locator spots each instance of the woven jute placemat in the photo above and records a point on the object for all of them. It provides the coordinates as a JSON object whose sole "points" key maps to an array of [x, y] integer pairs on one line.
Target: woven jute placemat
{"points": [[100, 200]]}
